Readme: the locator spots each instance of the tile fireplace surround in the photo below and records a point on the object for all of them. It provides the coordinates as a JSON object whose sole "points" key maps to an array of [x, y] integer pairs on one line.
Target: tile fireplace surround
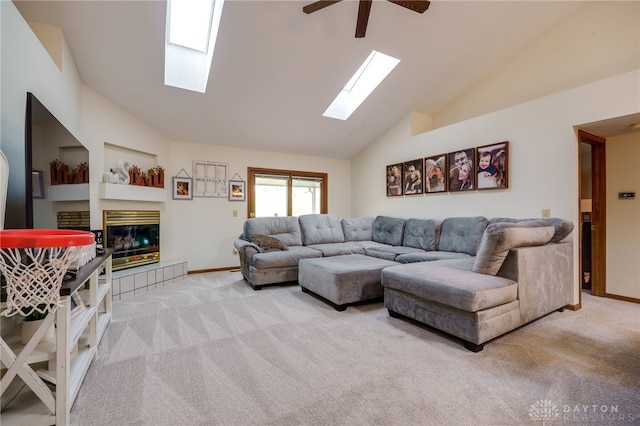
{"points": [[132, 281]]}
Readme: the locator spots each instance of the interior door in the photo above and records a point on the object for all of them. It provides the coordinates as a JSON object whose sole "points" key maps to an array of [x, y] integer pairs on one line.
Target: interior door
{"points": [[599, 210]]}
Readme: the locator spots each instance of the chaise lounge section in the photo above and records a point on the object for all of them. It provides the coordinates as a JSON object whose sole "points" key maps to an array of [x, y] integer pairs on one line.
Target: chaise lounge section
{"points": [[519, 275]]}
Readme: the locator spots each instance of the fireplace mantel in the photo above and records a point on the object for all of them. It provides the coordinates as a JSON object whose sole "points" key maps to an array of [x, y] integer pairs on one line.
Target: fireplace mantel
{"points": [[113, 191]]}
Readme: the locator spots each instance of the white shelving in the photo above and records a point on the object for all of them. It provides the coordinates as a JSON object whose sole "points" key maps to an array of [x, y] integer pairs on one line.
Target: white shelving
{"points": [[71, 192], [73, 363], [68, 357], [113, 191]]}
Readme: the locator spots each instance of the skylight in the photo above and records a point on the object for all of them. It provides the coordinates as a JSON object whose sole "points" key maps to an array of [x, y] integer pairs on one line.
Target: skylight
{"points": [[192, 29], [190, 23], [370, 74]]}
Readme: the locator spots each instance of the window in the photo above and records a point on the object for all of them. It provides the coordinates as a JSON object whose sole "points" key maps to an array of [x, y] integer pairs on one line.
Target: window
{"points": [[285, 192]]}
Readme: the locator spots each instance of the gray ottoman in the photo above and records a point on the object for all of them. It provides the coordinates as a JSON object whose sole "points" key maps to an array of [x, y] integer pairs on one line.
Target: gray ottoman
{"points": [[343, 279]]}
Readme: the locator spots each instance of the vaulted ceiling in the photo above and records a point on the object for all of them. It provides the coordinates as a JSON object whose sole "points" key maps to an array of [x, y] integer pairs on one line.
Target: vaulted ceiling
{"points": [[276, 69]]}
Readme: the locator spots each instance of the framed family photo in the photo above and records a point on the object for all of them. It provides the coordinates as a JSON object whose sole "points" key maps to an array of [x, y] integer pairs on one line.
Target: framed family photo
{"points": [[493, 166], [413, 177], [462, 170], [182, 188], [394, 180], [237, 190], [435, 174]]}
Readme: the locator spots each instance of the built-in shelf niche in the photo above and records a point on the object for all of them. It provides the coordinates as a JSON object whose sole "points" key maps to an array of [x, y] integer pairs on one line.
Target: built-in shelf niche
{"points": [[114, 153]]}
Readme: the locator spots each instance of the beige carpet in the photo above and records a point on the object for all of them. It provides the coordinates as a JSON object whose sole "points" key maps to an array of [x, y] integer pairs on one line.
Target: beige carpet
{"points": [[209, 350]]}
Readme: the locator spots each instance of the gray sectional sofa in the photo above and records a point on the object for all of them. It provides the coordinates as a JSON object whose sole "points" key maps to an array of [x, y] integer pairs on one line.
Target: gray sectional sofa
{"points": [[470, 277]]}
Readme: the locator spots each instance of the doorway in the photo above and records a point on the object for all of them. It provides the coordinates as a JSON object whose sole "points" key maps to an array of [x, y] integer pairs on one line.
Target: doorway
{"points": [[592, 213]]}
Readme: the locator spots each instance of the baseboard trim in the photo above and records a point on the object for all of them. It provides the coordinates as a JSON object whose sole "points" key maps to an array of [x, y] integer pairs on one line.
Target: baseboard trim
{"points": [[574, 307], [624, 298], [202, 271]]}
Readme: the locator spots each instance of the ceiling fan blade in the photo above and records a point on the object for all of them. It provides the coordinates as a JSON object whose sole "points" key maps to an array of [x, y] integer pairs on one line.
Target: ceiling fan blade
{"points": [[363, 17], [315, 6], [419, 6]]}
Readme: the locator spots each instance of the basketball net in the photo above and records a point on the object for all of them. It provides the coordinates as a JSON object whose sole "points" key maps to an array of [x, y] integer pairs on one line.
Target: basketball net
{"points": [[34, 277]]}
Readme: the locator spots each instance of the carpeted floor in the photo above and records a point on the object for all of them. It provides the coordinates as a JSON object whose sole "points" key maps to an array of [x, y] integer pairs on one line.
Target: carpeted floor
{"points": [[209, 350]]}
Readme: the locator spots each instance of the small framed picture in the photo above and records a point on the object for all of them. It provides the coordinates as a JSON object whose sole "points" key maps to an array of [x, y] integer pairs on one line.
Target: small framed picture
{"points": [[394, 180], [435, 174], [413, 177], [237, 190], [182, 188], [493, 166], [462, 170], [37, 183]]}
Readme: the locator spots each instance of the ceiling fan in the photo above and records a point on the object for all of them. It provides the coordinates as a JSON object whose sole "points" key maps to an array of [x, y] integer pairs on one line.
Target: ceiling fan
{"points": [[364, 8]]}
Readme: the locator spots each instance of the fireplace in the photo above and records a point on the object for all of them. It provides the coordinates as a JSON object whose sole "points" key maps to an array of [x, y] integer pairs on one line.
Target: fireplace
{"points": [[134, 235]]}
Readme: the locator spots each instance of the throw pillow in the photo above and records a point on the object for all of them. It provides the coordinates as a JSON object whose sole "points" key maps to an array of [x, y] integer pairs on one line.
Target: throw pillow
{"points": [[268, 242], [499, 238]]}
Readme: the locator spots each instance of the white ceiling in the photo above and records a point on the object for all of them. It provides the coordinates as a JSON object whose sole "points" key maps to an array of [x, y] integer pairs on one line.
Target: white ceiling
{"points": [[276, 69]]}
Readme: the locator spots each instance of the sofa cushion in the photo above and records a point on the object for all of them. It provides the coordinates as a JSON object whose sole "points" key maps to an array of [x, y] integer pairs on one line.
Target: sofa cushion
{"points": [[429, 256], [285, 228], [320, 229], [562, 227], [462, 263], [388, 230], [281, 258], [499, 238], [462, 234], [338, 249], [421, 233], [268, 242], [390, 252], [357, 228], [460, 289]]}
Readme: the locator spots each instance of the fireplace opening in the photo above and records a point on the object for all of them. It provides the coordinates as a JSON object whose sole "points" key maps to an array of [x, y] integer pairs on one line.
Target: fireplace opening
{"points": [[134, 235]]}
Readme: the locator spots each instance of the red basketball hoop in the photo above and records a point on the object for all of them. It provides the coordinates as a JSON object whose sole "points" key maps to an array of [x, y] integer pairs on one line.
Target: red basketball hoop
{"points": [[24, 238], [34, 262]]}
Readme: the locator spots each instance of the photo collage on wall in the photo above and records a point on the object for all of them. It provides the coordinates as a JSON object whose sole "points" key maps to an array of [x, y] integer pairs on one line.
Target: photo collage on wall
{"points": [[484, 167]]}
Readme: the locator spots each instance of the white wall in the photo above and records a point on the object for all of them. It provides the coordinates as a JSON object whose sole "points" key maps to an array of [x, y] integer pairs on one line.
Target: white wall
{"points": [[600, 40], [204, 228], [543, 151], [27, 67], [623, 216]]}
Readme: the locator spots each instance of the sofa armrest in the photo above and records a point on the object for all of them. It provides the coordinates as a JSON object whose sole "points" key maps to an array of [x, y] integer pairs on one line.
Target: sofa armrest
{"points": [[247, 247], [246, 250], [544, 275]]}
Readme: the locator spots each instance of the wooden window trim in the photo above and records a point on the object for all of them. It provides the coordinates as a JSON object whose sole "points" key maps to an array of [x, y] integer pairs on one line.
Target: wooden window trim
{"points": [[251, 182]]}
